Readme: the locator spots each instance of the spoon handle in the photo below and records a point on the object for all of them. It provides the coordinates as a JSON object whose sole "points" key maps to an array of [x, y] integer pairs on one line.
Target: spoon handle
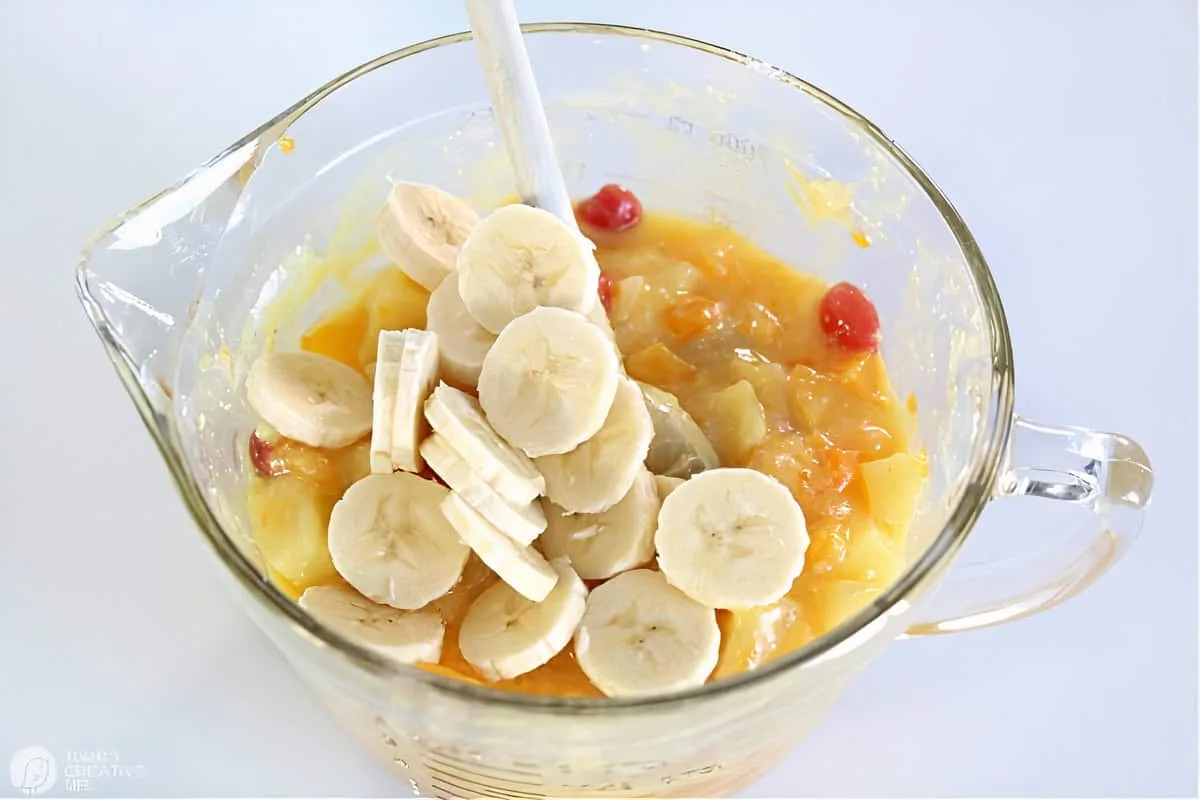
{"points": [[518, 106]]}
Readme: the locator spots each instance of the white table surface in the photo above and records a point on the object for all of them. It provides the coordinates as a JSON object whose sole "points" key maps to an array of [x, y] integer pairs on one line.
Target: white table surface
{"points": [[1065, 132]]}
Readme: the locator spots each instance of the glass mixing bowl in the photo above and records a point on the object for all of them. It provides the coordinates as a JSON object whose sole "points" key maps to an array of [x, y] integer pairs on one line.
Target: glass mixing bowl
{"points": [[184, 291]]}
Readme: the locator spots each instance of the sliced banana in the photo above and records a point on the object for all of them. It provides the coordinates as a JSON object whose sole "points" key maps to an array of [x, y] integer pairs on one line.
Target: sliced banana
{"points": [[421, 228], [548, 382], [505, 634], [522, 524], [731, 538], [463, 341], [408, 637], [459, 419], [641, 636], [597, 474], [518, 258], [602, 545], [666, 484], [388, 354], [417, 375], [310, 398], [389, 540], [520, 566]]}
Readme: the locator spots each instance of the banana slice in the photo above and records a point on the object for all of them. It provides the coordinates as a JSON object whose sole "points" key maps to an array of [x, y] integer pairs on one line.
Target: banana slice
{"points": [[407, 637], [518, 258], [389, 540], [522, 524], [605, 544], [548, 382], [421, 228], [596, 475], [504, 634], [731, 538], [388, 354], [460, 421], [463, 341], [666, 484], [417, 375], [520, 566], [310, 398], [641, 636]]}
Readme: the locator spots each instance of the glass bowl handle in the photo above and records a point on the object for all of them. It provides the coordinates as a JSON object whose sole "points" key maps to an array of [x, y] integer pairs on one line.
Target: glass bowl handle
{"points": [[1107, 473]]}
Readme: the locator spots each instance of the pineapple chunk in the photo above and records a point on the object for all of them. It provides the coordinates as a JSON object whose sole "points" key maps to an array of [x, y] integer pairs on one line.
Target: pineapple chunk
{"points": [[354, 462], [750, 637], [737, 422], [660, 271], [769, 380], [290, 520], [658, 366], [625, 297], [871, 555], [893, 486]]}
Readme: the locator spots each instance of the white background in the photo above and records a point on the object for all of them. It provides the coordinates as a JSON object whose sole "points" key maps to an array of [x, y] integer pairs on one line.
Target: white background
{"points": [[1065, 132]]}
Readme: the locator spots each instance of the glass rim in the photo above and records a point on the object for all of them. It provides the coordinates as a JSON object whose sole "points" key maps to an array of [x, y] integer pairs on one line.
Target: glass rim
{"points": [[976, 489]]}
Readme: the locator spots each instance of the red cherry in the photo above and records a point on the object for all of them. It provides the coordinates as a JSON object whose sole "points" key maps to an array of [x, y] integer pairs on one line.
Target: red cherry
{"points": [[849, 319], [429, 475], [260, 457], [613, 208], [606, 292]]}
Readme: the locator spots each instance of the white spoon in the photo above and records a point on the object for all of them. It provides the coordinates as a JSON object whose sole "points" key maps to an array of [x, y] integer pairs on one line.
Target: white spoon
{"points": [[518, 106]]}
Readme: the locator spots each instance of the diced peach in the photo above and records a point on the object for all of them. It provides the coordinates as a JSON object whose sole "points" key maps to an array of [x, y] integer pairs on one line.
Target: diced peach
{"points": [[658, 366], [290, 516], [691, 315], [893, 485], [394, 302], [736, 422], [816, 472], [339, 335]]}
